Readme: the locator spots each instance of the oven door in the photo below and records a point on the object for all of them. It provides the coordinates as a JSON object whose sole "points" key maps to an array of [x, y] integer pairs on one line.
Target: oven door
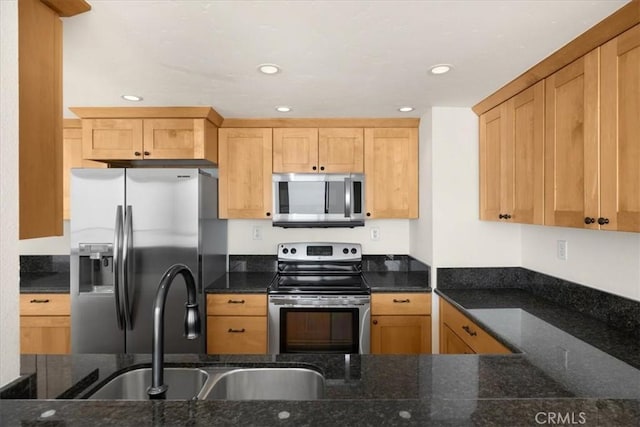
{"points": [[319, 324]]}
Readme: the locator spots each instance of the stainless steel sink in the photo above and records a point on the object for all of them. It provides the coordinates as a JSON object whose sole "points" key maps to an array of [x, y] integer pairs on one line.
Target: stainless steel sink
{"points": [[215, 383], [184, 384], [266, 384]]}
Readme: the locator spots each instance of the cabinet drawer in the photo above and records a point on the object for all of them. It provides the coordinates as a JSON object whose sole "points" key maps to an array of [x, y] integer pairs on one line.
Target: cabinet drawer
{"points": [[236, 334], [474, 336], [45, 305], [236, 305], [401, 304]]}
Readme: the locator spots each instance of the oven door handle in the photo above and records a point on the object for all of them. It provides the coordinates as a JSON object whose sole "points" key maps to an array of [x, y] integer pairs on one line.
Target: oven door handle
{"points": [[366, 318]]}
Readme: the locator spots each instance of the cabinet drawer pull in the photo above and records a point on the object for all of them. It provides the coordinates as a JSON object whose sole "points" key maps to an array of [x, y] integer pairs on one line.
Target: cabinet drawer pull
{"points": [[468, 330], [401, 301], [39, 301], [235, 331], [233, 301]]}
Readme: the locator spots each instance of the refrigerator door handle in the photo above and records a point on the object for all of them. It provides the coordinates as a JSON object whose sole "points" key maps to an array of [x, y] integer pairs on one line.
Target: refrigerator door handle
{"points": [[117, 253], [127, 249]]}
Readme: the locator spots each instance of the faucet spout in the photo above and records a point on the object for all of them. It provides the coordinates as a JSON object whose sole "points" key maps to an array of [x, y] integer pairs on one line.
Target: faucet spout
{"points": [[158, 389]]}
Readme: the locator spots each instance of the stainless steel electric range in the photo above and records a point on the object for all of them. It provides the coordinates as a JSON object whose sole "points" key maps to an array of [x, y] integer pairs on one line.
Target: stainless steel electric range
{"points": [[319, 301]]}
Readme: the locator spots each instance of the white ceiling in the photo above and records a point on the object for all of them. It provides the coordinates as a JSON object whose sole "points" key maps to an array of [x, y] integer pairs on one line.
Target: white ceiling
{"points": [[338, 58]]}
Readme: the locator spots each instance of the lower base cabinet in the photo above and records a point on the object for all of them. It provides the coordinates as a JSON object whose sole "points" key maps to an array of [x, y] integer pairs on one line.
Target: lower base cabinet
{"points": [[236, 324], [45, 324], [460, 335], [400, 323]]}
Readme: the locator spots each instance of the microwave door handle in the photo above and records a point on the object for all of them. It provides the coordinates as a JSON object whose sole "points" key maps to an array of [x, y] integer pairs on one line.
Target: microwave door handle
{"points": [[347, 197]]}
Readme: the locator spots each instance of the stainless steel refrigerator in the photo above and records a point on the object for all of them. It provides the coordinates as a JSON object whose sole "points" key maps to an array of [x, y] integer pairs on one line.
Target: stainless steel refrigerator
{"points": [[128, 226]]}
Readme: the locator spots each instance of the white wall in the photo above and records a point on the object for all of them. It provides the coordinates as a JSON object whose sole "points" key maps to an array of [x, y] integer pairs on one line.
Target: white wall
{"points": [[460, 239], [394, 236], [421, 238], [606, 260], [59, 245], [9, 266]]}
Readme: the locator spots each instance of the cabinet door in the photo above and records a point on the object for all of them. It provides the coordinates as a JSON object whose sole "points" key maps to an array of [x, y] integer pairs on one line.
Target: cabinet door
{"points": [[45, 334], [450, 343], [493, 136], [620, 132], [295, 150], [524, 169], [112, 139], [245, 173], [391, 168], [72, 158], [400, 334], [341, 150], [236, 334], [571, 144], [173, 139]]}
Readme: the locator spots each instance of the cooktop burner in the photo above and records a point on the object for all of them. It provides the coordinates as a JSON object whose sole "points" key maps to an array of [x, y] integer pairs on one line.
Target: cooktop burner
{"points": [[319, 268]]}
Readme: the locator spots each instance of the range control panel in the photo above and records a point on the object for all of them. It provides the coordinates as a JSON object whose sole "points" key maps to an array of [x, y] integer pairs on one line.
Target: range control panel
{"points": [[319, 251]]}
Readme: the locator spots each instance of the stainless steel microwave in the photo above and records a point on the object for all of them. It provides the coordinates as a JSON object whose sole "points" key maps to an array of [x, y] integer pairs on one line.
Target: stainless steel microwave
{"points": [[318, 200]]}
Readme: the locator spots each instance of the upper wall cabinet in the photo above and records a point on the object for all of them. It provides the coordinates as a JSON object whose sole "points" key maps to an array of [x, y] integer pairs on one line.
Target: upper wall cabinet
{"points": [[171, 133], [245, 168], [571, 152], [511, 159], [620, 133], [324, 150], [391, 170]]}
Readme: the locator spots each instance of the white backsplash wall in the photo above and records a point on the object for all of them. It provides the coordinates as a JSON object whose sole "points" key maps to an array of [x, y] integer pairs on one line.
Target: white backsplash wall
{"points": [[394, 236], [606, 260], [59, 245]]}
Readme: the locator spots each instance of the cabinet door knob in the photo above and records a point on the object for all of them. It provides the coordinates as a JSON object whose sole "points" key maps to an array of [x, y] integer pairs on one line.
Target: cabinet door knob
{"points": [[603, 221], [375, 322], [314, 168], [589, 220], [137, 153], [504, 216], [146, 153], [268, 213], [368, 213], [321, 168]]}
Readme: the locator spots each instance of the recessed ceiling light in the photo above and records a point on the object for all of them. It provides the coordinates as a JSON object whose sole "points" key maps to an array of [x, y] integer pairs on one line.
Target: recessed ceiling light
{"points": [[269, 68], [405, 109], [283, 109], [440, 69], [133, 98]]}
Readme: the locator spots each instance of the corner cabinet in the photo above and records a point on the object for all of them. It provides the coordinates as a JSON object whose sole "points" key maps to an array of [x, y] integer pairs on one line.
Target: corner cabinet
{"points": [[236, 324], [512, 158], [391, 170], [245, 167], [318, 150], [400, 323], [45, 323], [460, 335]]}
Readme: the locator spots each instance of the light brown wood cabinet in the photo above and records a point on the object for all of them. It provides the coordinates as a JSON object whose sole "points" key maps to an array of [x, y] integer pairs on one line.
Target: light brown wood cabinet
{"points": [[400, 323], [72, 158], [512, 159], [458, 334], [45, 323], [245, 186], [236, 324], [318, 150], [391, 170], [592, 160]]}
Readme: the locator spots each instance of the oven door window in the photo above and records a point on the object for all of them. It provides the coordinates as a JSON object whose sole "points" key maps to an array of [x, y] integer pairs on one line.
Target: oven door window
{"points": [[319, 330]]}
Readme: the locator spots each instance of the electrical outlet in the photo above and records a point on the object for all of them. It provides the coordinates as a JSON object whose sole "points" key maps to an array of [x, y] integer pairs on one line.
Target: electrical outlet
{"points": [[562, 250], [257, 233], [375, 233]]}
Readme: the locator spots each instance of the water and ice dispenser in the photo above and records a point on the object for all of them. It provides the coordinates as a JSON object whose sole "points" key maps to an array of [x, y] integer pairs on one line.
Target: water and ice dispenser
{"points": [[96, 267]]}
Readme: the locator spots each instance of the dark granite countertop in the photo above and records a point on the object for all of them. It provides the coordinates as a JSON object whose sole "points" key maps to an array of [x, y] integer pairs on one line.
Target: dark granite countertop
{"points": [[397, 281], [44, 282], [241, 282], [378, 390]]}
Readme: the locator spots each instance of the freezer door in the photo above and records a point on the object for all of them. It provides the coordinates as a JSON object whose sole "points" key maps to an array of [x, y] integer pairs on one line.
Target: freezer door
{"points": [[96, 195], [164, 220]]}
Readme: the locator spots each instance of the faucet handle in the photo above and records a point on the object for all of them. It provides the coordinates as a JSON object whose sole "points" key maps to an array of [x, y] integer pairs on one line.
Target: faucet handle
{"points": [[192, 325]]}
